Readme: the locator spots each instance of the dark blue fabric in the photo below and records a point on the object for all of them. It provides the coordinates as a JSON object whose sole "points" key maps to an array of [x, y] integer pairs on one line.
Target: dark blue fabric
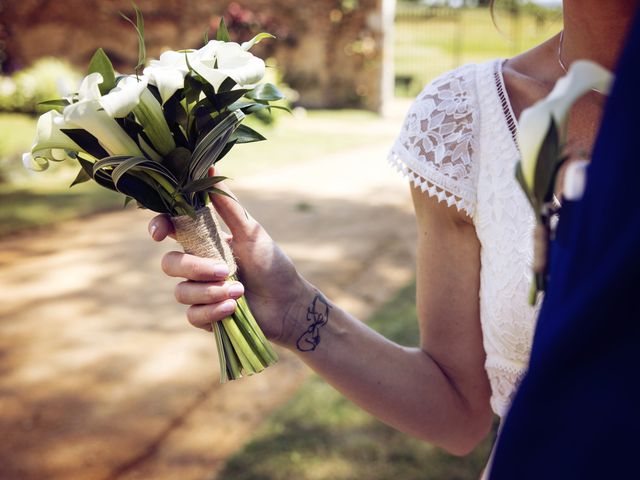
{"points": [[576, 414]]}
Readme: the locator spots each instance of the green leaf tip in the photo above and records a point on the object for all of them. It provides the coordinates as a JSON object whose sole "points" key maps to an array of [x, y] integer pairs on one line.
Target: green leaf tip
{"points": [[223, 33], [139, 27], [101, 64]]}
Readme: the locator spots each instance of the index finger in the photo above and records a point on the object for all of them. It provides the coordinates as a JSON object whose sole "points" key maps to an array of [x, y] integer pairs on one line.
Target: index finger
{"points": [[191, 267]]}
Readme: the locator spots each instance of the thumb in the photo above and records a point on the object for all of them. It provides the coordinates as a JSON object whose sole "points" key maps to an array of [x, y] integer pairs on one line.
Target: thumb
{"points": [[232, 213]]}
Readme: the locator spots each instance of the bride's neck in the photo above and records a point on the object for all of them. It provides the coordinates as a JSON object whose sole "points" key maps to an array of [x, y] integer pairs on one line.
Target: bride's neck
{"points": [[596, 29]]}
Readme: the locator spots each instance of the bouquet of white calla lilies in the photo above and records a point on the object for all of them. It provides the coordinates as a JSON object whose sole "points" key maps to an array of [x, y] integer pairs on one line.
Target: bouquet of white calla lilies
{"points": [[542, 133], [153, 137]]}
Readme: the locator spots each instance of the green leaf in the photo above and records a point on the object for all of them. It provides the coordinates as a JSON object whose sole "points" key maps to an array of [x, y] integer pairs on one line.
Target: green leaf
{"points": [[192, 89], [257, 39], [223, 99], [223, 33], [226, 85], [86, 141], [245, 134], [206, 36], [225, 150], [101, 178], [265, 92], [57, 104], [523, 184], [82, 177], [218, 191], [101, 64], [546, 165], [202, 184], [139, 27], [178, 162], [209, 147]]}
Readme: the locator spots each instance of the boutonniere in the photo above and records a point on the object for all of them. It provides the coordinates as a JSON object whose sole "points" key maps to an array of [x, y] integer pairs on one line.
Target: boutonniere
{"points": [[542, 136]]}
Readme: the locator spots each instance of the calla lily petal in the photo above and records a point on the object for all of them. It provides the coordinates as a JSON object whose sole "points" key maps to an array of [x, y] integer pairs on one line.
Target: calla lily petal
{"points": [[89, 116], [89, 89], [583, 75], [230, 61], [122, 99], [50, 144], [168, 72], [532, 130], [49, 133]]}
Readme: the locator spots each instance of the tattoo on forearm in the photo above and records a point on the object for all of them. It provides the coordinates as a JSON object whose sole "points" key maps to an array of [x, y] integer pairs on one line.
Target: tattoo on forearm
{"points": [[318, 315]]}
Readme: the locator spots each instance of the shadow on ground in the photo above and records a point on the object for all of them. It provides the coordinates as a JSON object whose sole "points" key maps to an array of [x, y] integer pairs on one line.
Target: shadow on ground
{"points": [[101, 376]]}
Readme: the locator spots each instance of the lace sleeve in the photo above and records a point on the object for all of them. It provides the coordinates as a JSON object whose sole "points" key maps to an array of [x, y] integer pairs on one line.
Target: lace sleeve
{"points": [[436, 146]]}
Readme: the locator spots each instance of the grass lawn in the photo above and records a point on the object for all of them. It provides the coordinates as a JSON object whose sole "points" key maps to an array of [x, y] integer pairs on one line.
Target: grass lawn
{"points": [[29, 199], [425, 47], [319, 435]]}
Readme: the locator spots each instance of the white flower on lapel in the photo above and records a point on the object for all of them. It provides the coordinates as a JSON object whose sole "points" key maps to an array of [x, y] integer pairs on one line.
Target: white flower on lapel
{"points": [[536, 120]]}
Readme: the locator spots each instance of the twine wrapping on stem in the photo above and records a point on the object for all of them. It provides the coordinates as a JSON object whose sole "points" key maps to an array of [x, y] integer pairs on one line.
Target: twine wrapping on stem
{"points": [[201, 236], [243, 348]]}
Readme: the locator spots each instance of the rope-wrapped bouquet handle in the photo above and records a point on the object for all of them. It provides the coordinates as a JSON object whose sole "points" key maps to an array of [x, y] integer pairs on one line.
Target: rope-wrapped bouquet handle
{"points": [[243, 348]]}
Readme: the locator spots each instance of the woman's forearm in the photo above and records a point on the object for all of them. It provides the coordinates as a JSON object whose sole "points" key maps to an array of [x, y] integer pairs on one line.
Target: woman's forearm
{"points": [[403, 387]]}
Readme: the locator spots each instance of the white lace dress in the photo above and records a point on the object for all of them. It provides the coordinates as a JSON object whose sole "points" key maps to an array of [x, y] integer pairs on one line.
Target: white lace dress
{"points": [[458, 144]]}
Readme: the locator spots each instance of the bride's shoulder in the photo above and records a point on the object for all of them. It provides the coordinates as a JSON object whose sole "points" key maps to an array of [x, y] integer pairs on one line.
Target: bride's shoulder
{"points": [[455, 92], [439, 139]]}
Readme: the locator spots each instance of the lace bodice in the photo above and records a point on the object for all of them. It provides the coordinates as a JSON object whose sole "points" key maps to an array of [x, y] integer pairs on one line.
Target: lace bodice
{"points": [[458, 144]]}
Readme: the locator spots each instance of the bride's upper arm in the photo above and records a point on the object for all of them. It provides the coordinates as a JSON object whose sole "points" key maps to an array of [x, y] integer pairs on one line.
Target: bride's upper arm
{"points": [[438, 150], [447, 296]]}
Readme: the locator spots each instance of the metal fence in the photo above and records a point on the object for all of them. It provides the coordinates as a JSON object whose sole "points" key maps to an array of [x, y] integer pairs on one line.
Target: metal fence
{"points": [[430, 40]]}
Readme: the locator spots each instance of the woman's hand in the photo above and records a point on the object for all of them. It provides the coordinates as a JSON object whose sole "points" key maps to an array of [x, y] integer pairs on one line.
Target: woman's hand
{"points": [[270, 281]]}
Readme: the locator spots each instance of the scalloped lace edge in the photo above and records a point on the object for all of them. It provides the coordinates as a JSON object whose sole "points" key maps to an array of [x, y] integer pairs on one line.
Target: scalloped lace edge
{"points": [[432, 188]]}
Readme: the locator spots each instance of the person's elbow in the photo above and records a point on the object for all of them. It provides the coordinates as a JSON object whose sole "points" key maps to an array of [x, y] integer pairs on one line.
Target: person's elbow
{"points": [[473, 428]]}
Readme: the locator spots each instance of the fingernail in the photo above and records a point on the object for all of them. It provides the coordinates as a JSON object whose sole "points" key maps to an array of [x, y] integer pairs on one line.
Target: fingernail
{"points": [[221, 270], [228, 307], [152, 230], [235, 290]]}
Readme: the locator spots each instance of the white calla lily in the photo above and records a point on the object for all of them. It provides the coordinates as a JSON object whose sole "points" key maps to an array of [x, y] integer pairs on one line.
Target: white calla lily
{"points": [[168, 72], [583, 75], [124, 97], [217, 61], [89, 115], [131, 95], [50, 144]]}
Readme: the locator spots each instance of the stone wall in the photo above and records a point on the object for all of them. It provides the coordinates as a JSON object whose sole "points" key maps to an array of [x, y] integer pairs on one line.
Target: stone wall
{"points": [[330, 51]]}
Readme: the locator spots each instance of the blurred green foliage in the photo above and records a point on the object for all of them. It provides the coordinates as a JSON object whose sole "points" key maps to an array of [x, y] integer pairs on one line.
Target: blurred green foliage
{"points": [[319, 435], [46, 79]]}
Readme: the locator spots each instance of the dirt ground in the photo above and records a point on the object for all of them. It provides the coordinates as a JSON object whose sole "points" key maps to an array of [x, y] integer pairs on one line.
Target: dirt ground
{"points": [[101, 377]]}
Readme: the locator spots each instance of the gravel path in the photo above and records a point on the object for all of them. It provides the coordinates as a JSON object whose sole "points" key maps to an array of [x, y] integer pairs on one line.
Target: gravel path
{"points": [[101, 376]]}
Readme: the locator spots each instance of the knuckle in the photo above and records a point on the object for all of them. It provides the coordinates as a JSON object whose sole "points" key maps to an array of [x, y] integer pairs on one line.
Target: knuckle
{"points": [[179, 292], [195, 317], [212, 294]]}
